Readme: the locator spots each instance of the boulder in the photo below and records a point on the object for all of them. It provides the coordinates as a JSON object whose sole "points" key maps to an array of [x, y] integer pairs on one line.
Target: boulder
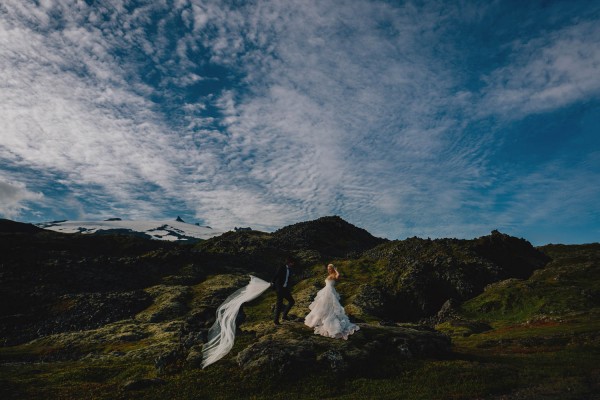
{"points": [[422, 274], [288, 351], [369, 300]]}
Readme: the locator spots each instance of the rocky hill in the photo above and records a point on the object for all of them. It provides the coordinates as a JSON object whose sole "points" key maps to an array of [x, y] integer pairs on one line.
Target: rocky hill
{"points": [[329, 237], [113, 316], [53, 282], [417, 276]]}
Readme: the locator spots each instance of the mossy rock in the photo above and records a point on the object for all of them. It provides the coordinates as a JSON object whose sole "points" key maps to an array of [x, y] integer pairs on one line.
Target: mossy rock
{"points": [[123, 338], [419, 275], [215, 289], [459, 327], [170, 302], [368, 303], [292, 347]]}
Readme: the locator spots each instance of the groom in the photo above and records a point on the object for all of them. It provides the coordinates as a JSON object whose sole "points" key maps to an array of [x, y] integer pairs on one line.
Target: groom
{"points": [[281, 282]]}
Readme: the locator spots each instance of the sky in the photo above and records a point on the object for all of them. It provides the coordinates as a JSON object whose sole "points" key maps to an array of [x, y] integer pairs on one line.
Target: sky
{"points": [[417, 118]]}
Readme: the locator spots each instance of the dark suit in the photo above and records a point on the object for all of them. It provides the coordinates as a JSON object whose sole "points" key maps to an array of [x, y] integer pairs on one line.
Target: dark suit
{"points": [[282, 283]]}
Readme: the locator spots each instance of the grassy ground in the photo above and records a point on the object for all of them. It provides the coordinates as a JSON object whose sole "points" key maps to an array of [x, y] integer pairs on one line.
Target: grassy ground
{"points": [[558, 372], [540, 340]]}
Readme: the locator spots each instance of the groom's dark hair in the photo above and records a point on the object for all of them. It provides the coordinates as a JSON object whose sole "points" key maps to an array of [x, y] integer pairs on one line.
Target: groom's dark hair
{"points": [[289, 260]]}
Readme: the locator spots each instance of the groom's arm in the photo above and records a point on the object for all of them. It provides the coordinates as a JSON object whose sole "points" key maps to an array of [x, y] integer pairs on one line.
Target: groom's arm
{"points": [[278, 274]]}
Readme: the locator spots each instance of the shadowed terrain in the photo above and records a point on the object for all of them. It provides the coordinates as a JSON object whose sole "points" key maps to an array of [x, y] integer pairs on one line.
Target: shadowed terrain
{"points": [[118, 316]]}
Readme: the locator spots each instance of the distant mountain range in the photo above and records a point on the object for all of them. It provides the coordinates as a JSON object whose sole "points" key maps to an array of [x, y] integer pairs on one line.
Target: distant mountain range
{"points": [[175, 230]]}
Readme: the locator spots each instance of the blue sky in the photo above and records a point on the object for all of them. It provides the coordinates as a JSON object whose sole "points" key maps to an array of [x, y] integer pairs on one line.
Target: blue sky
{"points": [[425, 118]]}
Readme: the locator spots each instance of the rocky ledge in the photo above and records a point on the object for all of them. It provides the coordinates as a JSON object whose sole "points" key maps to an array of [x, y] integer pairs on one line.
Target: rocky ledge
{"points": [[293, 347]]}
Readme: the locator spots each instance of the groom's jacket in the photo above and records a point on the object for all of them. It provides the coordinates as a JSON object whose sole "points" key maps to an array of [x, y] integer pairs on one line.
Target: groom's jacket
{"points": [[279, 280]]}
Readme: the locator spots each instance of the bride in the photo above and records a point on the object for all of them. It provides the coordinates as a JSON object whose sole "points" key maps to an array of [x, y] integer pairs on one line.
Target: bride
{"points": [[327, 315]]}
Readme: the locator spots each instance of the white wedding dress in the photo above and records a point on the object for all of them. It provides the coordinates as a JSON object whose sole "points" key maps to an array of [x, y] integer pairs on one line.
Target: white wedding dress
{"points": [[222, 334], [327, 315]]}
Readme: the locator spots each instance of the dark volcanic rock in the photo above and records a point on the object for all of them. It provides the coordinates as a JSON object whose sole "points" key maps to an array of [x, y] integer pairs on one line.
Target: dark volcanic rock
{"points": [[8, 226], [277, 355], [286, 352], [517, 258], [331, 237], [422, 274], [241, 251], [335, 359], [448, 311], [55, 282], [91, 310], [308, 242], [370, 300], [72, 312]]}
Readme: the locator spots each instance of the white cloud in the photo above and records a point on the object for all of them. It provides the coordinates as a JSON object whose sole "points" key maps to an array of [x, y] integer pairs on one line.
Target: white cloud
{"points": [[335, 119], [69, 106], [547, 72], [14, 197], [558, 193]]}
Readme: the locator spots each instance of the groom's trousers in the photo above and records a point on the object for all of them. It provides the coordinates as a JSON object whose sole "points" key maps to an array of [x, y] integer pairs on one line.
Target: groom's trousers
{"points": [[283, 293]]}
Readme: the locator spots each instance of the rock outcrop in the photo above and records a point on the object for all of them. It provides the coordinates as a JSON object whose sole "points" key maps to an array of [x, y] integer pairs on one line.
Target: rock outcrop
{"points": [[420, 275], [291, 349], [329, 237]]}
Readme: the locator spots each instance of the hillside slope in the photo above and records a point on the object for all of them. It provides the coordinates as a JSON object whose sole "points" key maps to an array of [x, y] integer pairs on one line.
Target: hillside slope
{"points": [[116, 316]]}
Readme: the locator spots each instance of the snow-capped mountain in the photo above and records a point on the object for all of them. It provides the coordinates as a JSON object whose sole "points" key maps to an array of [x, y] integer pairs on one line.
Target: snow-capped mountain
{"points": [[174, 230]]}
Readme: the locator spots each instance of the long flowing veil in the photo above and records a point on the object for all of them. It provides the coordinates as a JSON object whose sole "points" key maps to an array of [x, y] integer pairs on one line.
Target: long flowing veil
{"points": [[222, 334]]}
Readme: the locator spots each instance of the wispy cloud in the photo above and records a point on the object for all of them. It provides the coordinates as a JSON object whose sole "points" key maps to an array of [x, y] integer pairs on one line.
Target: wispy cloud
{"points": [[546, 72], [340, 109], [69, 106], [14, 197]]}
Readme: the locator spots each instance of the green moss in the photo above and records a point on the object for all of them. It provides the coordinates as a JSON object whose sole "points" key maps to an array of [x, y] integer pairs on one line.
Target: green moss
{"points": [[468, 374], [569, 284], [544, 342], [169, 302]]}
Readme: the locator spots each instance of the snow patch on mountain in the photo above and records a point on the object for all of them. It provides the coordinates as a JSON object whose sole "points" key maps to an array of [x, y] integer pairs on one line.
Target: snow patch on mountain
{"points": [[160, 230]]}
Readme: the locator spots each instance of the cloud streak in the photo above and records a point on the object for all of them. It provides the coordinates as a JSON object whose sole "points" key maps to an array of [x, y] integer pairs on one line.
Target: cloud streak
{"points": [[348, 122], [547, 72]]}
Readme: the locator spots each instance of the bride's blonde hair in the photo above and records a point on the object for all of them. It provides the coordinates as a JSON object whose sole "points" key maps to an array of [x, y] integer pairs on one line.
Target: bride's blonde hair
{"points": [[330, 268]]}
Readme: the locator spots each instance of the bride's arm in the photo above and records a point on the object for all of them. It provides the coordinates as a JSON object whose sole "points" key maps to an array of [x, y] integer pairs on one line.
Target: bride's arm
{"points": [[337, 274]]}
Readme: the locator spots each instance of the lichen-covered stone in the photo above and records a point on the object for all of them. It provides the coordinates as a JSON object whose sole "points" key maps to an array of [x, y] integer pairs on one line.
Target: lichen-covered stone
{"points": [[169, 302]]}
